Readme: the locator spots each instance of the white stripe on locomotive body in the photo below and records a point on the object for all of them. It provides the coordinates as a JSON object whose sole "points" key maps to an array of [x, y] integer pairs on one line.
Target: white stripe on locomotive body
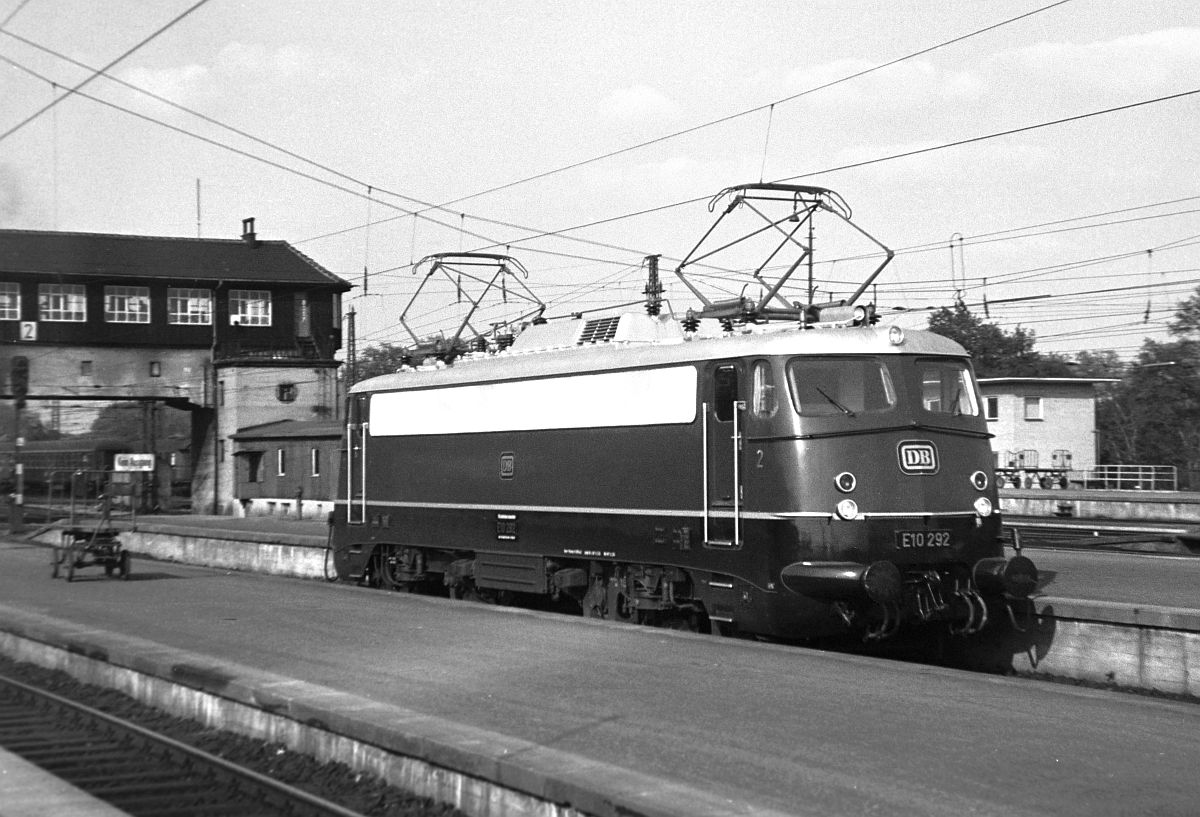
{"points": [[668, 512], [639, 397], [607, 357]]}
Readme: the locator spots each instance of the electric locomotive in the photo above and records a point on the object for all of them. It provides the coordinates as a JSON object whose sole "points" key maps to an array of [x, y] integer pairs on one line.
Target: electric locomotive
{"points": [[789, 478]]}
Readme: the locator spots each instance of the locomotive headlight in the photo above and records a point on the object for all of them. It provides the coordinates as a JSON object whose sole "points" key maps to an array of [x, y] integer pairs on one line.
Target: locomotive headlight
{"points": [[895, 335], [983, 506], [845, 482], [979, 480], [847, 509]]}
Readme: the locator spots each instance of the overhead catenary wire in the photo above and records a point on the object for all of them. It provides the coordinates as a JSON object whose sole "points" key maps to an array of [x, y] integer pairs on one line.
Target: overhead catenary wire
{"points": [[612, 262], [102, 71]]}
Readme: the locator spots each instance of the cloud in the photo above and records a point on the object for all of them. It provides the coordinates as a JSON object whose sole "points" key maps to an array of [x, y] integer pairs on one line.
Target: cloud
{"points": [[639, 102], [180, 84], [1154, 61]]}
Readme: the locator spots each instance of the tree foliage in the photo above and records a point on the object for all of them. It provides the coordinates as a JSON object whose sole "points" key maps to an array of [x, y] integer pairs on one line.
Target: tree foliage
{"points": [[996, 353], [1152, 416], [130, 421], [31, 425], [372, 361]]}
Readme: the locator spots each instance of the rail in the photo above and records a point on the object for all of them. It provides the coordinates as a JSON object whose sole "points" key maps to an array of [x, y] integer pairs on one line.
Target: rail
{"points": [[139, 771]]}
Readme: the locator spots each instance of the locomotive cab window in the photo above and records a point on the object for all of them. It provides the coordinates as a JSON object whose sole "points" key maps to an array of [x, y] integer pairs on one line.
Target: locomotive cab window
{"points": [[725, 392], [948, 388], [764, 401], [832, 386]]}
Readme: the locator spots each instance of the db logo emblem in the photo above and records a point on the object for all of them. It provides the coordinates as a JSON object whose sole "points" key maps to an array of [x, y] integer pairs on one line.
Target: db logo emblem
{"points": [[917, 457]]}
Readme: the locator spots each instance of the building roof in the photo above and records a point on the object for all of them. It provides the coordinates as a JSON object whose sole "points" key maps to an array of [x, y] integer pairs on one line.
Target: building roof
{"points": [[138, 257], [1056, 381], [291, 429]]}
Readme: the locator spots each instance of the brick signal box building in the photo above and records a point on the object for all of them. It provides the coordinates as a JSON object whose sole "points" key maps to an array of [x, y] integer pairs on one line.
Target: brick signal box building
{"points": [[237, 332]]}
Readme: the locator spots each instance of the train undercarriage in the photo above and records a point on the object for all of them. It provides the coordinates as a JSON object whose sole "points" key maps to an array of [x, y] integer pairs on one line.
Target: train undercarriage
{"points": [[821, 599]]}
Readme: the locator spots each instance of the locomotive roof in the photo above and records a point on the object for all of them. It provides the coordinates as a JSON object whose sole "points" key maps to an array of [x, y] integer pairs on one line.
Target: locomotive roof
{"points": [[515, 364]]}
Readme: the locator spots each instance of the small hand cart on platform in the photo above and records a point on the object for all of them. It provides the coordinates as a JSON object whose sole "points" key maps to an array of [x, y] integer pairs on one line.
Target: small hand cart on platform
{"points": [[83, 547], [87, 546]]}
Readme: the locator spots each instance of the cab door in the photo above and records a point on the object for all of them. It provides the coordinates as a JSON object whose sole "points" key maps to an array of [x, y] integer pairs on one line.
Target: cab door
{"points": [[356, 461], [723, 410]]}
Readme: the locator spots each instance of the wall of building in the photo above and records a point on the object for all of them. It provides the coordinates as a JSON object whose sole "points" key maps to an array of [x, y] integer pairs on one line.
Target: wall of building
{"points": [[1068, 422], [249, 396], [284, 477], [111, 372]]}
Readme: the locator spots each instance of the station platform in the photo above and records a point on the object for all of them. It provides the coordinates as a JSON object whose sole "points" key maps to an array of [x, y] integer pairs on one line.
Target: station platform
{"points": [[504, 711], [27, 790]]}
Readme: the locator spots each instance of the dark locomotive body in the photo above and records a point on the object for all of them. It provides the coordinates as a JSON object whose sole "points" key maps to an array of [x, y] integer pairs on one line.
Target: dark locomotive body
{"points": [[788, 482]]}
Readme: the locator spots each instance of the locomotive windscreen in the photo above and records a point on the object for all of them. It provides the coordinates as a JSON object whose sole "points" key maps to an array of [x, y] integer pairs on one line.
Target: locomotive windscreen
{"points": [[841, 385]]}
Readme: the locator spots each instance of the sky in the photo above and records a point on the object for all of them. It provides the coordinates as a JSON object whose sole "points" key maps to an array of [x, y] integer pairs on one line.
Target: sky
{"points": [[1036, 160]]}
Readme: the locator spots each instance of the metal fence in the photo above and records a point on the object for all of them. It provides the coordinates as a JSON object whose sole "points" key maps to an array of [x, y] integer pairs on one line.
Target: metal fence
{"points": [[78, 495], [1130, 477]]}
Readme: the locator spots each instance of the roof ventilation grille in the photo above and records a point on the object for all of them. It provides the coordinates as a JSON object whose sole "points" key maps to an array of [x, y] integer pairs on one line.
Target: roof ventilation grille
{"points": [[600, 330]]}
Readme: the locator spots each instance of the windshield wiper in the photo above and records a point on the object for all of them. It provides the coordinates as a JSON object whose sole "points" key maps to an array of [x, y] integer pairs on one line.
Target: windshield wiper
{"points": [[835, 403]]}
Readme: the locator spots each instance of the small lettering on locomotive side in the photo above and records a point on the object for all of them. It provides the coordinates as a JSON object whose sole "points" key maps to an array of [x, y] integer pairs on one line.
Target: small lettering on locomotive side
{"points": [[508, 465], [506, 526], [592, 554]]}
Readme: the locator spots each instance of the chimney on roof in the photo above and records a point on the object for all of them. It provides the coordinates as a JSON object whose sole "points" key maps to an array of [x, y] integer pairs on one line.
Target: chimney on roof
{"points": [[248, 234]]}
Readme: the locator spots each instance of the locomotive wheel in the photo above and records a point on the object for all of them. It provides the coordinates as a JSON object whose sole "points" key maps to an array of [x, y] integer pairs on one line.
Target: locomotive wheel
{"points": [[123, 565], [70, 564], [109, 567]]}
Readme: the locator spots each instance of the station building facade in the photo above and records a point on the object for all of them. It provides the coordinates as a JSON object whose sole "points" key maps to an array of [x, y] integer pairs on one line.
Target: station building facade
{"points": [[238, 332], [1041, 425]]}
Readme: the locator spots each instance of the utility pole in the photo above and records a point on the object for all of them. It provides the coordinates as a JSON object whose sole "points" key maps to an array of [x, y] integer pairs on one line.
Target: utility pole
{"points": [[19, 383]]}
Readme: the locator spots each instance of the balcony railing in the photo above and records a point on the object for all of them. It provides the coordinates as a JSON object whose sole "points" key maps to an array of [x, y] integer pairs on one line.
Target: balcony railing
{"points": [[296, 349]]}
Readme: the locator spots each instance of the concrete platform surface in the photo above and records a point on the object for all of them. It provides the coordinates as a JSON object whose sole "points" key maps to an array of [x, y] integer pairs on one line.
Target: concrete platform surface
{"points": [[27, 790], [600, 713], [1142, 579]]}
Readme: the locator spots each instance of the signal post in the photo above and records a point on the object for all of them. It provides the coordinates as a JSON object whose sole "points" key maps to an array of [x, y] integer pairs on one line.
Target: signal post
{"points": [[19, 382]]}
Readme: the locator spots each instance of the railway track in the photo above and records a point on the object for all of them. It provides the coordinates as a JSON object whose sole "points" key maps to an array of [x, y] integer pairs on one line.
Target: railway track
{"points": [[137, 770]]}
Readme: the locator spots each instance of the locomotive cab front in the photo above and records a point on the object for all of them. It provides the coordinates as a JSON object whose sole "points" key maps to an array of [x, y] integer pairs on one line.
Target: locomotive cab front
{"points": [[886, 455]]}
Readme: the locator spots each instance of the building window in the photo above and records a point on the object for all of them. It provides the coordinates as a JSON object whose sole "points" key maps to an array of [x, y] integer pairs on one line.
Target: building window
{"points": [[10, 302], [155, 368], [249, 307], [991, 408], [62, 302], [220, 392], [315, 456], [281, 462], [85, 368], [287, 392], [192, 306], [127, 304], [1033, 408]]}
